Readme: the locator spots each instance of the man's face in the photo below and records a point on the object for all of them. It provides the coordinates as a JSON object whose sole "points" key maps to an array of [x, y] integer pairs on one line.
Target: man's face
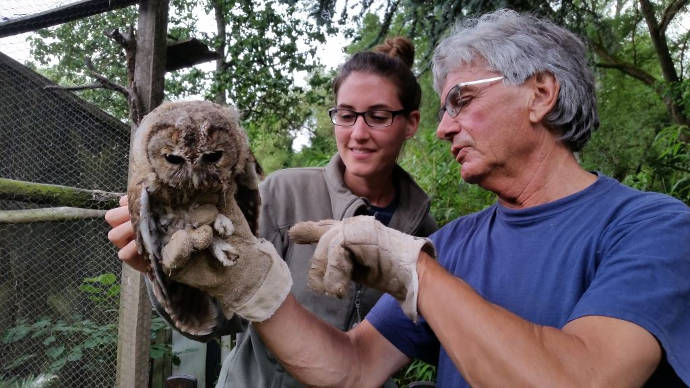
{"points": [[491, 135]]}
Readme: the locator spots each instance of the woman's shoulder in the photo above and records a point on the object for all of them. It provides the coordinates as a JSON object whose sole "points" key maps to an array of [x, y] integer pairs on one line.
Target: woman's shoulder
{"points": [[292, 179], [289, 175]]}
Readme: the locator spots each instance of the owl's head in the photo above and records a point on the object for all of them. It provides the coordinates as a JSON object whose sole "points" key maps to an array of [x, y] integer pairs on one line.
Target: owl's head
{"points": [[193, 145]]}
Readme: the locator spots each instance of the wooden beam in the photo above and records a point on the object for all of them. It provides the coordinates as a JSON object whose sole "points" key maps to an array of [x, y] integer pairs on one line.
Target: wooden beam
{"points": [[60, 15], [187, 53], [50, 214], [134, 335], [151, 53], [56, 195]]}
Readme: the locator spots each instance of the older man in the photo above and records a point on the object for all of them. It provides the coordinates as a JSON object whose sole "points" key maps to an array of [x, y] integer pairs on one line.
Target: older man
{"points": [[570, 279]]}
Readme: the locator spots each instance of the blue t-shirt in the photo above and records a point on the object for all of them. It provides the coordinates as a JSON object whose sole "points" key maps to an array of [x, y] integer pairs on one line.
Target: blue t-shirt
{"points": [[608, 250]]}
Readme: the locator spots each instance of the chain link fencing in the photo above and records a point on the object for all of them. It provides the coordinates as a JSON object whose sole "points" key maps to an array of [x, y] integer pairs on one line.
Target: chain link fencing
{"points": [[59, 280]]}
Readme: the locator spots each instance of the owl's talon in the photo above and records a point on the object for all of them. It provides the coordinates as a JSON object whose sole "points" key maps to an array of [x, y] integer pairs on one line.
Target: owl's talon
{"points": [[229, 262], [223, 225], [171, 269], [225, 253]]}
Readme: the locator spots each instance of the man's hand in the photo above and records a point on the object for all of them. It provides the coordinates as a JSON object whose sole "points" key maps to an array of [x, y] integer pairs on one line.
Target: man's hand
{"points": [[122, 236], [364, 250]]}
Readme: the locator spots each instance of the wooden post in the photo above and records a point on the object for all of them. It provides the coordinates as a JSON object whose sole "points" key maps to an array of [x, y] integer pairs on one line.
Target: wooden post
{"points": [[134, 335]]}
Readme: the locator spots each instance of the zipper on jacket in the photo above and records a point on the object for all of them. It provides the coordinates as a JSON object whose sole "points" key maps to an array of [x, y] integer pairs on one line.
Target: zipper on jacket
{"points": [[357, 302]]}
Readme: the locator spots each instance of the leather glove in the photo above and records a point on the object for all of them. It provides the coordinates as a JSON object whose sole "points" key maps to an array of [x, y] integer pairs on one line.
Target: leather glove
{"points": [[364, 250], [254, 280]]}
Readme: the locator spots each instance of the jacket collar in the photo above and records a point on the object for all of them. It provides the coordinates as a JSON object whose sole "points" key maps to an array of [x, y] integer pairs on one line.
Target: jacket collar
{"points": [[413, 201]]}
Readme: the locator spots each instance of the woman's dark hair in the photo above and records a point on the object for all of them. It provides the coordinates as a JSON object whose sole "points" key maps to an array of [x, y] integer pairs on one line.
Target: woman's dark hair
{"points": [[393, 60]]}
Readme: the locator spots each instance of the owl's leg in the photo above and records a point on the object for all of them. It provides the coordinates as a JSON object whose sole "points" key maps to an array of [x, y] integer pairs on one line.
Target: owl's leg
{"points": [[178, 250], [223, 225], [224, 252]]}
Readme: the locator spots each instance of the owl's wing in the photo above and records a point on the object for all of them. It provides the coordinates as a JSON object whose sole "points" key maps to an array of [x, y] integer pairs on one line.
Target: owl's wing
{"points": [[150, 239], [188, 309], [247, 193]]}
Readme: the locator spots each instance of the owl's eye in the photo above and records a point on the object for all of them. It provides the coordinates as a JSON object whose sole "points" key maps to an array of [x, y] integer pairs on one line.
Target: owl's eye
{"points": [[212, 157], [174, 159]]}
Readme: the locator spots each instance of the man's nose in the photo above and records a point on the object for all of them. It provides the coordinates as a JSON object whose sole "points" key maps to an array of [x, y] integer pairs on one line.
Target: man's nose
{"points": [[447, 127]]}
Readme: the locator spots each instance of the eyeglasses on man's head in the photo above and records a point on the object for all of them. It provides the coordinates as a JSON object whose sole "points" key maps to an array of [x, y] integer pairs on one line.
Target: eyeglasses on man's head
{"points": [[454, 102], [375, 118]]}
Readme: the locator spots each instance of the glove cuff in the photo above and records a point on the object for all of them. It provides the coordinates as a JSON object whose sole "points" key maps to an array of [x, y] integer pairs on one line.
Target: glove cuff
{"points": [[409, 304], [273, 289]]}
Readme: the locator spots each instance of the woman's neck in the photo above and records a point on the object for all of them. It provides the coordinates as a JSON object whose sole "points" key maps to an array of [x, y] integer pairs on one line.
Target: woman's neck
{"points": [[379, 191]]}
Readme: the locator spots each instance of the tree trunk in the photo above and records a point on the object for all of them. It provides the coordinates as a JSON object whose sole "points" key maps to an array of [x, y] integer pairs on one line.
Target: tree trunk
{"points": [[219, 8], [657, 34]]}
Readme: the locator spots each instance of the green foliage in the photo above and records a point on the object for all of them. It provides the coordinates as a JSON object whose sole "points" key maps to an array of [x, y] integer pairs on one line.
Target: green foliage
{"points": [[70, 341], [318, 126], [76, 341], [668, 165], [63, 341], [630, 114], [41, 381], [418, 370], [103, 289], [160, 348], [637, 142]]}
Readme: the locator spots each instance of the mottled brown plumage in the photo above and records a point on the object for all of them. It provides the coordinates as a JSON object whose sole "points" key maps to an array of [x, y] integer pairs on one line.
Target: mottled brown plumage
{"points": [[190, 164]]}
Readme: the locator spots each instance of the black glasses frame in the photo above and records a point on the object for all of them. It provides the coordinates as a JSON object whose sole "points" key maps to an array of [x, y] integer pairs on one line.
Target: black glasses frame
{"points": [[365, 114]]}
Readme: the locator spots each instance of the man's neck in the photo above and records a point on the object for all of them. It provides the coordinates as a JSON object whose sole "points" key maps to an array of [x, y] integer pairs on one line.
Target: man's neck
{"points": [[552, 174]]}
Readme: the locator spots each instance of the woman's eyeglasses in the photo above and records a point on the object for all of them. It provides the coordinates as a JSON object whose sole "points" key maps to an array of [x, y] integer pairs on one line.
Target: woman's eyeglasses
{"points": [[376, 118]]}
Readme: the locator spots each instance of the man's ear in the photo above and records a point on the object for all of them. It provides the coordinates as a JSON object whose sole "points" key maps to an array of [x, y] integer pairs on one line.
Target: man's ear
{"points": [[545, 88]]}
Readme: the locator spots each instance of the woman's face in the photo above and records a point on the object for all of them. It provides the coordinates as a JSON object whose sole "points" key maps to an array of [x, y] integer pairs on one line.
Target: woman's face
{"points": [[367, 152]]}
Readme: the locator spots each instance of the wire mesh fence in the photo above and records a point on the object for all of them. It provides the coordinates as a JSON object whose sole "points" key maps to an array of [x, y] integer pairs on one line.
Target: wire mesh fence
{"points": [[59, 280]]}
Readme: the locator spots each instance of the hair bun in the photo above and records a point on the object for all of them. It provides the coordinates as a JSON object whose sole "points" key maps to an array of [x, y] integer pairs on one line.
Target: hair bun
{"points": [[398, 47]]}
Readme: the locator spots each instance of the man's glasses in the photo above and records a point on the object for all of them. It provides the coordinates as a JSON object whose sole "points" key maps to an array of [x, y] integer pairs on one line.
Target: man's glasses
{"points": [[377, 118], [454, 101]]}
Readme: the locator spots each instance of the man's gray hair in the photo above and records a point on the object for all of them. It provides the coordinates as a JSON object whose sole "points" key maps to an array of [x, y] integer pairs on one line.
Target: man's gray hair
{"points": [[519, 46]]}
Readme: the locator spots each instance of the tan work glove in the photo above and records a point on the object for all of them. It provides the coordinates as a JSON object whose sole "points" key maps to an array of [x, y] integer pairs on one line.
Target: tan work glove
{"points": [[364, 250], [252, 282]]}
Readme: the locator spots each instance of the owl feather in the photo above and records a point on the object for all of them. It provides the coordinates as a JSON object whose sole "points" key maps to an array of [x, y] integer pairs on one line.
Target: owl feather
{"points": [[190, 164]]}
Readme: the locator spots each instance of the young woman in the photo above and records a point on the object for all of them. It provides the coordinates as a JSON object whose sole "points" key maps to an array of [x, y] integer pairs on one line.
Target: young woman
{"points": [[376, 110]]}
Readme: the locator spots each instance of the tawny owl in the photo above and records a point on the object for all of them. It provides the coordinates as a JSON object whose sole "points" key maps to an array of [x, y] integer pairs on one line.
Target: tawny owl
{"points": [[190, 161]]}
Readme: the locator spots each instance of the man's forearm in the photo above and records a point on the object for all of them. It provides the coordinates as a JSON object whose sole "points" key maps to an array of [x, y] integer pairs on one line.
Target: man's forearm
{"points": [[494, 347]]}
